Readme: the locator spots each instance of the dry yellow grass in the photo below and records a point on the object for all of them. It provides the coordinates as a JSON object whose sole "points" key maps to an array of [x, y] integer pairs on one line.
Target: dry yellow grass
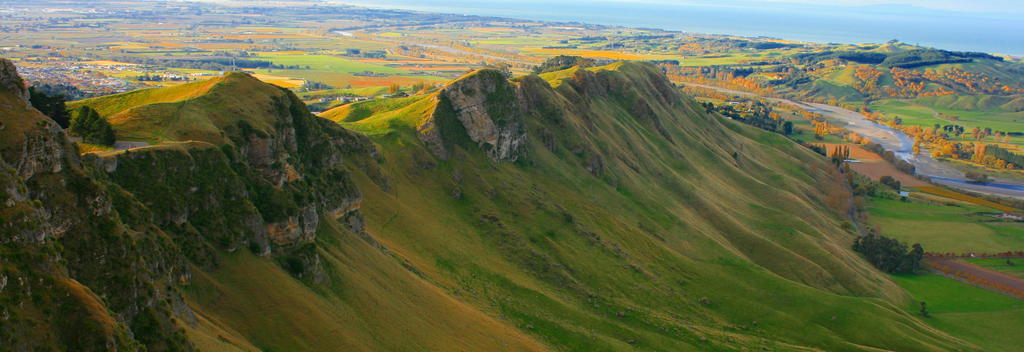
{"points": [[435, 68], [86, 148], [108, 63], [263, 36], [280, 81], [231, 46], [92, 304], [285, 52], [404, 62], [493, 29], [960, 196], [605, 54]]}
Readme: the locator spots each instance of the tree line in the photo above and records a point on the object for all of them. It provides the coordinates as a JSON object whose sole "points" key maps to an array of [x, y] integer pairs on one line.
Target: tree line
{"points": [[889, 255], [86, 122], [207, 63]]}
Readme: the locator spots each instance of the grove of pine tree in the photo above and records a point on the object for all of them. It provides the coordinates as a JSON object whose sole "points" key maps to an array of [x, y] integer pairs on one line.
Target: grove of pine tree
{"points": [[92, 127]]}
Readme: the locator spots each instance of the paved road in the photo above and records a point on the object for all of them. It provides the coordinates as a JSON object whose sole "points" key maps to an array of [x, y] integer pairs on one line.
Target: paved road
{"points": [[900, 144]]}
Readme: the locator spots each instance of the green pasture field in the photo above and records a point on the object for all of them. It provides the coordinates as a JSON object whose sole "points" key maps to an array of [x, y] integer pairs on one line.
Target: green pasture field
{"points": [[988, 319], [945, 228], [327, 63], [919, 113]]}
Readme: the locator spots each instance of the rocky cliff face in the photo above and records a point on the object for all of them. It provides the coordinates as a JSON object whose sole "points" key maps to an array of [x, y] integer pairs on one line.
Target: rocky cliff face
{"points": [[263, 183], [492, 111], [12, 82], [66, 243], [192, 191], [487, 107], [129, 226]]}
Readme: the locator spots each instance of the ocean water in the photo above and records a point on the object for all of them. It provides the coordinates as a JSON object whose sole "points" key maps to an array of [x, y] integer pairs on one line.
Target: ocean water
{"points": [[1000, 32]]}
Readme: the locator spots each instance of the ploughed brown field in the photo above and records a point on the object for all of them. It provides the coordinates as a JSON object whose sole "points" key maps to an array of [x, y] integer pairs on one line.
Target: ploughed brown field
{"points": [[872, 165]]}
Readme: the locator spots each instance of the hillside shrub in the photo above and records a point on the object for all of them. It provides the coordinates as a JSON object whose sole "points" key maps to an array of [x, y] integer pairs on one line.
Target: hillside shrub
{"points": [[890, 181], [977, 177], [50, 105], [92, 127], [562, 62]]}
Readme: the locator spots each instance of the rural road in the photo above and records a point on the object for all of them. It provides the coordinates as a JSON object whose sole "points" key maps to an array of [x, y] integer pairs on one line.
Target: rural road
{"points": [[118, 145], [899, 143], [122, 145]]}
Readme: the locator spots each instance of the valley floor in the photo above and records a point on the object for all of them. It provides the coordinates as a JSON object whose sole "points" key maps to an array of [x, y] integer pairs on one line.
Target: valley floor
{"points": [[899, 143]]}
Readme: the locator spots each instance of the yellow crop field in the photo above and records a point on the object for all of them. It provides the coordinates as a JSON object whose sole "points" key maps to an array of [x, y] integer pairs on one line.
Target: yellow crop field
{"points": [[605, 54], [280, 81], [108, 63], [493, 29], [263, 36], [959, 196]]}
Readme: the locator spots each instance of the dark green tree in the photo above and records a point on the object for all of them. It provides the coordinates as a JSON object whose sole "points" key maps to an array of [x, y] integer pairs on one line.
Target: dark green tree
{"points": [[889, 255], [562, 62], [891, 182], [787, 128], [50, 105], [977, 177], [92, 127]]}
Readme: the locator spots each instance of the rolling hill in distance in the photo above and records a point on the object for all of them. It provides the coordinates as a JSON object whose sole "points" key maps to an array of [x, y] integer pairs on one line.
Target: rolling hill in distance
{"points": [[304, 176]]}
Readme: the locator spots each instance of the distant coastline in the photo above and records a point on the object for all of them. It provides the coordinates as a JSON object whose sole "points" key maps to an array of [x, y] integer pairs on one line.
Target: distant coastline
{"points": [[848, 25]]}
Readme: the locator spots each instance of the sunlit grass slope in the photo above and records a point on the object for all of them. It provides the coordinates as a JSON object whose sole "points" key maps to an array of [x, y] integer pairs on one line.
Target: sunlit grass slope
{"points": [[635, 220], [632, 220], [371, 303], [194, 111]]}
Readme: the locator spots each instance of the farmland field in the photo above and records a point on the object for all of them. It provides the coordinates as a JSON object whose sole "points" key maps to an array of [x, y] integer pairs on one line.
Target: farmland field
{"points": [[986, 318], [1012, 266], [326, 63], [946, 227], [921, 113]]}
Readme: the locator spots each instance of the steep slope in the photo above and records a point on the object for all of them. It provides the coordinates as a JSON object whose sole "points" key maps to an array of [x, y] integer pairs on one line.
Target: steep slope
{"points": [[586, 209], [599, 209], [263, 192], [75, 274]]}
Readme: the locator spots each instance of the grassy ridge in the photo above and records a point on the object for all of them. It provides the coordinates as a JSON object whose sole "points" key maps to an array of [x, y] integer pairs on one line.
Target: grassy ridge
{"points": [[634, 220], [195, 111], [678, 254]]}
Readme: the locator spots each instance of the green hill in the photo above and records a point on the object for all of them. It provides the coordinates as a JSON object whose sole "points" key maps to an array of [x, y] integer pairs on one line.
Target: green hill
{"points": [[625, 195], [588, 209], [857, 75]]}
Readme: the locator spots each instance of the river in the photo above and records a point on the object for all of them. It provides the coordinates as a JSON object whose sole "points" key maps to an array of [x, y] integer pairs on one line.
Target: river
{"points": [[900, 144]]}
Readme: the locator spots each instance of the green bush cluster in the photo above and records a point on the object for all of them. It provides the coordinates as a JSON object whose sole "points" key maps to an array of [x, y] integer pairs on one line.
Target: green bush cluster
{"points": [[92, 127], [889, 255]]}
